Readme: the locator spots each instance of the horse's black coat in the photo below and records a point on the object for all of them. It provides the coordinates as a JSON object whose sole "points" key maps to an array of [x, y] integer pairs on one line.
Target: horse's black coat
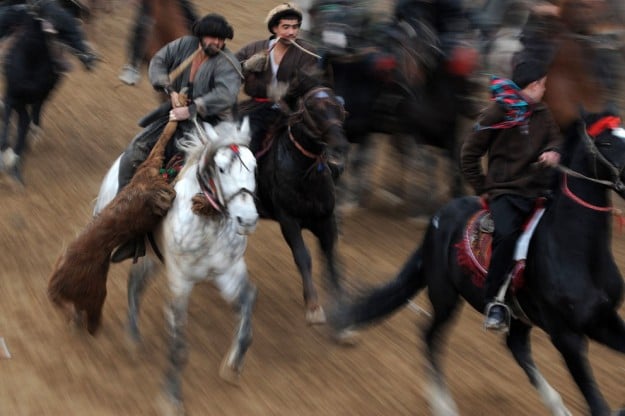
{"points": [[297, 190], [31, 68], [573, 287]]}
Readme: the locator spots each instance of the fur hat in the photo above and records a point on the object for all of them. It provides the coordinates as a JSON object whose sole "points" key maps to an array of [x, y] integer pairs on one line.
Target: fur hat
{"points": [[282, 11], [527, 71], [213, 24]]}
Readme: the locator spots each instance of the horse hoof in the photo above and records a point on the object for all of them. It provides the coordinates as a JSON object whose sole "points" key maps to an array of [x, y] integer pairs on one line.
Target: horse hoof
{"points": [[316, 316], [346, 337], [9, 159], [36, 134], [229, 373], [168, 406], [129, 75]]}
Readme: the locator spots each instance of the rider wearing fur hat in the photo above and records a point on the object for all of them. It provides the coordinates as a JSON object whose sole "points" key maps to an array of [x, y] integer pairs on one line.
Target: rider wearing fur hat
{"points": [[270, 64], [212, 77]]}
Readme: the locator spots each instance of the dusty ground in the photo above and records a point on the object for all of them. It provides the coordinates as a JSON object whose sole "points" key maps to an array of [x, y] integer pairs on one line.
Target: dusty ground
{"points": [[291, 369]]}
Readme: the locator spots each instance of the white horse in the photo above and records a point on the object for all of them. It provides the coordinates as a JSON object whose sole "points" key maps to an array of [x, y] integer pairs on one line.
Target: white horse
{"points": [[202, 247]]}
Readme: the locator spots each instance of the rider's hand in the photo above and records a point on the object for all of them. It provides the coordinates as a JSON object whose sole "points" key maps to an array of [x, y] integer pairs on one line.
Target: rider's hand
{"points": [[549, 158], [257, 62], [179, 114]]}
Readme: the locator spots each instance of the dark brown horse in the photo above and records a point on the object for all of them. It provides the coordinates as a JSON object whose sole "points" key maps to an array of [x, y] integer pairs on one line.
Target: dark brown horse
{"points": [[157, 23], [588, 39]]}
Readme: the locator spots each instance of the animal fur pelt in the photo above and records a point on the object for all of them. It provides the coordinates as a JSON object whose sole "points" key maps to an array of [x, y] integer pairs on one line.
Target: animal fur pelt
{"points": [[80, 273]]}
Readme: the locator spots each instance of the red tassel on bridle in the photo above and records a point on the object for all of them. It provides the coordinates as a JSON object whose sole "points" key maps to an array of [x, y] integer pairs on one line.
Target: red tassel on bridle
{"points": [[609, 122]]}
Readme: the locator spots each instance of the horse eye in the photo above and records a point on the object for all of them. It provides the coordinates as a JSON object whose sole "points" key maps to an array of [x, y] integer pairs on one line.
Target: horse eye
{"points": [[222, 170]]}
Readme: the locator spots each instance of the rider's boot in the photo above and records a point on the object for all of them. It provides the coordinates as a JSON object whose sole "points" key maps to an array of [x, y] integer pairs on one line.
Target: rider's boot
{"points": [[131, 249]]}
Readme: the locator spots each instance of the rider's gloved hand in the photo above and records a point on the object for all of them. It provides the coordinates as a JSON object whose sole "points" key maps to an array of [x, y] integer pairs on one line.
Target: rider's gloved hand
{"points": [[256, 63]]}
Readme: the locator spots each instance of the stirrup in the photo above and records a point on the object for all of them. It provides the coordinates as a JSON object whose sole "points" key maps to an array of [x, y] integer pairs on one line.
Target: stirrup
{"points": [[505, 326]]}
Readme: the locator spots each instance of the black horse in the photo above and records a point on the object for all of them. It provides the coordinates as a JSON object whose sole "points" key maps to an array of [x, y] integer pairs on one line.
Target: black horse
{"points": [[571, 285], [296, 178], [33, 66], [394, 81]]}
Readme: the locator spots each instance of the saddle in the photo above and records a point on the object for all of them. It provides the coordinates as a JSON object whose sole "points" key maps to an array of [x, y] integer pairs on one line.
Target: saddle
{"points": [[474, 249]]}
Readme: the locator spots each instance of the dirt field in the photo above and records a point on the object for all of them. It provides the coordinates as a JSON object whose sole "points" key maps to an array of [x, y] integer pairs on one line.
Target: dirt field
{"points": [[291, 368]]}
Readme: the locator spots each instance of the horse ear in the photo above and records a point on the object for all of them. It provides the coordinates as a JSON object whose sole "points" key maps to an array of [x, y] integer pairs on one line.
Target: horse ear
{"points": [[582, 112], [244, 131]]}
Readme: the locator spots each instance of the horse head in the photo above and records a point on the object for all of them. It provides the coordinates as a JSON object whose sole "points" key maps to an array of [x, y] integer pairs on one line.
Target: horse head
{"points": [[320, 115], [226, 173], [604, 138]]}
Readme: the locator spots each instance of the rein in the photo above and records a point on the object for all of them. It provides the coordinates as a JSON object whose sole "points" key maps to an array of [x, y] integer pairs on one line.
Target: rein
{"points": [[212, 192], [616, 183]]}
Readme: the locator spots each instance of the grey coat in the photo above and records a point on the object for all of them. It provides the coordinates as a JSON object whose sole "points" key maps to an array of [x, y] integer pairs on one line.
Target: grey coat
{"points": [[217, 81]]}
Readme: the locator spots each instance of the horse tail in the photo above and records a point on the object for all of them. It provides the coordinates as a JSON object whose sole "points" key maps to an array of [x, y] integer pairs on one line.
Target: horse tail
{"points": [[386, 299]]}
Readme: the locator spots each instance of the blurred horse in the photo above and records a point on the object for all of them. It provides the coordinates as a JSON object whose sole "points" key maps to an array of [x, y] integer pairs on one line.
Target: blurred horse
{"points": [[394, 81], [588, 61], [568, 285], [583, 41], [157, 23], [33, 66]]}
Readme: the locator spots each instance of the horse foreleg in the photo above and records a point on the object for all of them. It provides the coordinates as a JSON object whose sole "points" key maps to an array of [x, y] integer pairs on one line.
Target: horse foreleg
{"points": [[176, 316], [6, 123], [355, 184], [326, 233], [573, 348], [138, 278], [292, 233], [232, 365], [518, 343], [12, 158]]}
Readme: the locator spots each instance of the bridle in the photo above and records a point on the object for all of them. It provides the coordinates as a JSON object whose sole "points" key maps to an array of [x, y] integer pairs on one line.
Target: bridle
{"points": [[325, 95], [210, 184], [589, 135]]}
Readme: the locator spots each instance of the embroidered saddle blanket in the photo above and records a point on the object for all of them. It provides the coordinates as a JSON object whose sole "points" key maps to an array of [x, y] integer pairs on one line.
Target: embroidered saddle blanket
{"points": [[474, 249]]}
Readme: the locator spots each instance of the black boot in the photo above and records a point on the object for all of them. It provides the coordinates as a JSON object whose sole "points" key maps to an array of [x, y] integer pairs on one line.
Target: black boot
{"points": [[131, 249]]}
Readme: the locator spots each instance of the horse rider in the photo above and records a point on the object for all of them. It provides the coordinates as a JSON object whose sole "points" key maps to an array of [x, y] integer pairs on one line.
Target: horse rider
{"points": [[522, 141], [66, 29], [269, 65], [213, 81], [138, 38]]}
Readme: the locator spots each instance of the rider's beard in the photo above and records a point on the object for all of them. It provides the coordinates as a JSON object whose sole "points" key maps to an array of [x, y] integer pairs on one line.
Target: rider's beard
{"points": [[210, 49]]}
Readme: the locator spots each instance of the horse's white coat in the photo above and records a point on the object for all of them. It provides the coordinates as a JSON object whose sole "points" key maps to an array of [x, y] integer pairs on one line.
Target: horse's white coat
{"points": [[194, 247]]}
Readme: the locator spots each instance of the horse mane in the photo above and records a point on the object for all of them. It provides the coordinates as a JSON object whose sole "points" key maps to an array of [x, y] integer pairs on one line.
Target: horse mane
{"points": [[194, 144]]}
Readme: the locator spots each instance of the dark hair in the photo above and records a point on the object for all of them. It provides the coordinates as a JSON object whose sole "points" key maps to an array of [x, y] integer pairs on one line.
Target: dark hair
{"points": [[282, 11], [214, 25], [527, 71]]}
